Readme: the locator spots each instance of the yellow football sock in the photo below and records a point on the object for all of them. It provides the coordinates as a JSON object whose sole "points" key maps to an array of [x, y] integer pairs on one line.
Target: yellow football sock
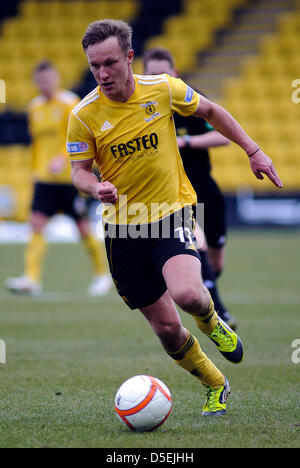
{"points": [[191, 357], [97, 254], [34, 256], [206, 323]]}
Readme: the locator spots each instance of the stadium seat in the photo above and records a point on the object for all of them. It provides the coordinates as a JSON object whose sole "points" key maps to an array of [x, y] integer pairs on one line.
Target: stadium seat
{"points": [[192, 31], [12, 158], [261, 99], [52, 29]]}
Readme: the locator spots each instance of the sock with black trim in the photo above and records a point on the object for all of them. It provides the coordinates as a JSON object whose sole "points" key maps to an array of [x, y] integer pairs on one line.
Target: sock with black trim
{"points": [[206, 323], [191, 358]]}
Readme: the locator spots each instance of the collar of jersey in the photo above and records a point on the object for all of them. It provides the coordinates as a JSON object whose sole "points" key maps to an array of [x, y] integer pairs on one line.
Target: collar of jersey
{"points": [[117, 103]]}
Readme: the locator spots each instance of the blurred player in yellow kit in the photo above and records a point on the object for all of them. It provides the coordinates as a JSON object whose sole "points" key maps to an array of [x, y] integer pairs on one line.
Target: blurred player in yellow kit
{"points": [[53, 189]]}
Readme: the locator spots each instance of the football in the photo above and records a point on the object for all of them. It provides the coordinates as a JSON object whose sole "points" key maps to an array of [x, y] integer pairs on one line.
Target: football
{"points": [[143, 403]]}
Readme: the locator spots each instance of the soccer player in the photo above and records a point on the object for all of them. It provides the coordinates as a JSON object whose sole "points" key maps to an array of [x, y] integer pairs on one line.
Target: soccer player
{"points": [[53, 189], [126, 126], [195, 136]]}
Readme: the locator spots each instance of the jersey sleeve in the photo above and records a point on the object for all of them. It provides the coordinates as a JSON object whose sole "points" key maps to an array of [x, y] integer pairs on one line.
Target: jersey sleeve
{"points": [[184, 99], [69, 106], [34, 153], [80, 140]]}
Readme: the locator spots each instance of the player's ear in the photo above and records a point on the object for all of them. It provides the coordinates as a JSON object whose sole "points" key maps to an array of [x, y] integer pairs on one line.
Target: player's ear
{"points": [[130, 56]]}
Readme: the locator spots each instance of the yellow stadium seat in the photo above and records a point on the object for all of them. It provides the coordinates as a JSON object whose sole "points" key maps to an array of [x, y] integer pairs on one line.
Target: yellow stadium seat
{"points": [[188, 33], [51, 30], [15, 173], [266, 98]]}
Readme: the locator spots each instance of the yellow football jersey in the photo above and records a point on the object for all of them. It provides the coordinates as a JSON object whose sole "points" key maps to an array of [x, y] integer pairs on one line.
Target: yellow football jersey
{"points": [[134, 144], [48, 124]]}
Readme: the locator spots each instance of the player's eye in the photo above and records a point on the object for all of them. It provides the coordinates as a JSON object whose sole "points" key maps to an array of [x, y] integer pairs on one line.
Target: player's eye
{"points": [[95, 65]]}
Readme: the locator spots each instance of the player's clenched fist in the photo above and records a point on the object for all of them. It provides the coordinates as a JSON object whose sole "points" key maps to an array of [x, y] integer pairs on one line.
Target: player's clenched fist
{"points": [[106, 192]]}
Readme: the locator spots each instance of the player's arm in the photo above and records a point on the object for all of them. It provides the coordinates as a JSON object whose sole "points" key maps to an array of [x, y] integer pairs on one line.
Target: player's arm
{"points": [[60, 161], [206, 140], [223, 122], [86, 181], [82, 149], [33, 149]]}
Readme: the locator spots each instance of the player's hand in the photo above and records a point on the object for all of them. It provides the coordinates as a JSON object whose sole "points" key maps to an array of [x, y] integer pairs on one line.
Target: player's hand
{"points": [[57, 165], [261, 164], [106, 192], [180, 142]]}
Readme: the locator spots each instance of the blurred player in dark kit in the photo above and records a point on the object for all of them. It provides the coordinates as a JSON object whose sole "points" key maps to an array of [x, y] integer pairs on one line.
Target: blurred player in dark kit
{"points": [[195, 136]]}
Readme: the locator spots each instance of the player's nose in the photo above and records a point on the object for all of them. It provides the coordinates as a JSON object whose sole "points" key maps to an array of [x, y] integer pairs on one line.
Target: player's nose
{"points": [[103, 74]]}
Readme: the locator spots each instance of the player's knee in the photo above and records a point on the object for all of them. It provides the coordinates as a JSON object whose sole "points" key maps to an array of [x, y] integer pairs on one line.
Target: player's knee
{"points": [[190, 299], [218, 270], [217, 263], [83, 227], [38, 221]]}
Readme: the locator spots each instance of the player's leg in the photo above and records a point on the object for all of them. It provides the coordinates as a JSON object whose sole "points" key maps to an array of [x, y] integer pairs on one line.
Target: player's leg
{"points": [[36, 249], [30, 282], [208, 274], [215, 227], [41, 210], [75, 206], [185, 285], [185, 350], [209, 278], [136, 270], [210, 282], [217, 257], [102, 282]]}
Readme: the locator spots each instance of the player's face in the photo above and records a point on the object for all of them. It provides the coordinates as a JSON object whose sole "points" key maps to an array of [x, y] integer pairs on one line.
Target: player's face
{"points": [[47, 81], [157, 67], [111, 68]]}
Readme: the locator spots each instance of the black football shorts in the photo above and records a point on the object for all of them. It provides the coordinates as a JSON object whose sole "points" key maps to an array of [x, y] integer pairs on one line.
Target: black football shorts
{"points": [[51, 199], [215, 225], [136, 263]]}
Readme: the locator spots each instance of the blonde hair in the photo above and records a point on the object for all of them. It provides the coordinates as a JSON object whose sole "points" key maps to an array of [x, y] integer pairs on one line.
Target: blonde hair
{"points": [[99, 31]]}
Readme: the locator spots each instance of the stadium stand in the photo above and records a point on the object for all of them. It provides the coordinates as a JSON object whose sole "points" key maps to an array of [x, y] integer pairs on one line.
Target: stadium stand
{"points": [[49, 29], [192, 31], [242, 53], [52, 30], [15, 186], [261, 99], [8, 9]]}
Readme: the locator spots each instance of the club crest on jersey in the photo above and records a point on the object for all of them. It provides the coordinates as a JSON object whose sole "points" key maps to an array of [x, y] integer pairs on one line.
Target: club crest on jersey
{"points": [[150, 109]]}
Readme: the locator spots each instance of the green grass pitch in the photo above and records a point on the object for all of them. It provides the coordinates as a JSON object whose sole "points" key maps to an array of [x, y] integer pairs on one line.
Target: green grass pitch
{"points": [[67, 354]]}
